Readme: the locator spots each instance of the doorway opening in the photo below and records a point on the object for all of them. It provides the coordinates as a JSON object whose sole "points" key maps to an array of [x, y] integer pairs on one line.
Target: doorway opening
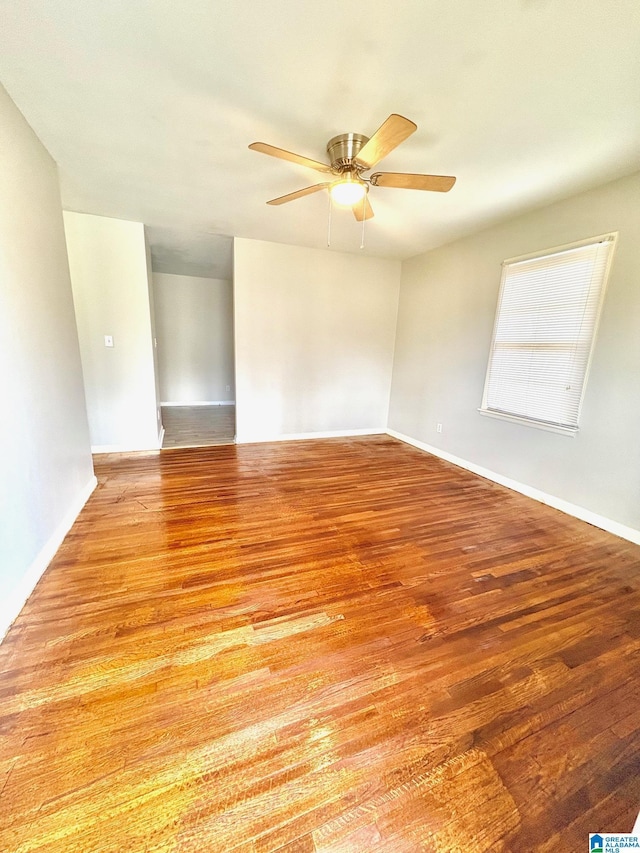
{"points": [[193, 307]]}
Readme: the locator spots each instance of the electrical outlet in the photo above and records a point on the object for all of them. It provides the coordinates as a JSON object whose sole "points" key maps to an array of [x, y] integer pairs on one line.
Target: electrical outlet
{"points": [[228, 387], [438, 427], [108, 340]]}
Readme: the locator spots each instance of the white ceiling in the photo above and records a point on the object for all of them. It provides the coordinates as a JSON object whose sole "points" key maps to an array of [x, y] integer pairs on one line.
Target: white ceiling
{"points": [[148, 106], [181, 252]]}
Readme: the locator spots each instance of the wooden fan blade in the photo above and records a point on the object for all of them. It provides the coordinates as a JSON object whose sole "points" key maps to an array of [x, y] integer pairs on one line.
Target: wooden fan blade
{"points": [[272, 151], [406, 181], [387, 137], [363, 210], [283, 199]]}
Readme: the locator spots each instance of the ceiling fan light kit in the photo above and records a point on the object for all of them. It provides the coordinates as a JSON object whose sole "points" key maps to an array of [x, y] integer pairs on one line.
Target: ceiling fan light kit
{"points": [[352, 154], [348, 190]]}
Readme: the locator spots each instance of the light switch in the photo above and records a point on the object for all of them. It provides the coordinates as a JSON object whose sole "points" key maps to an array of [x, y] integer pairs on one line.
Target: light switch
{"points": [[108, 340]]}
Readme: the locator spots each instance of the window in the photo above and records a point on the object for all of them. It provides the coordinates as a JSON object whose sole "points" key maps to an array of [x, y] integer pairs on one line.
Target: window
{"points": [[545, 326]]}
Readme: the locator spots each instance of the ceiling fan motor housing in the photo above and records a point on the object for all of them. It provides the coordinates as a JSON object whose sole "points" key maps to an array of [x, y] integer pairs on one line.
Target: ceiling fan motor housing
{"points": [[343, 150]]}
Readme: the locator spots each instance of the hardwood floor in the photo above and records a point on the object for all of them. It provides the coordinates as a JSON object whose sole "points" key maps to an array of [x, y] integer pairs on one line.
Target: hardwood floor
{"points": [[198, 426], [321, 647]]}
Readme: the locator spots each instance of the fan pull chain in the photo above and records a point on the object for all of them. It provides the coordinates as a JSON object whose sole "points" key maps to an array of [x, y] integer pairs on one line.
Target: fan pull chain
{"points": [[329, 223], [364, 198]]}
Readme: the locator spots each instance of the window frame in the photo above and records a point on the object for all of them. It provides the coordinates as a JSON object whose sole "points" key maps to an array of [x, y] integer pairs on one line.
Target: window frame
{"points": [[612, 237]]}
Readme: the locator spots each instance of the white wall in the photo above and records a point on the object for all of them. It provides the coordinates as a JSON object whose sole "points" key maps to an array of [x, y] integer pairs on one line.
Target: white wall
{"points": [[47, 473], [108, 263], [194, 326], [447, 307], [154, 339], [314, 335]]}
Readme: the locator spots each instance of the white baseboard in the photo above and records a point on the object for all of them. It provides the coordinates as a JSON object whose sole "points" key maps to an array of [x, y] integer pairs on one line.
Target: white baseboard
{"points": [[303, 436], [576, 511], [124, 448], [11, 605], [200, 403]]}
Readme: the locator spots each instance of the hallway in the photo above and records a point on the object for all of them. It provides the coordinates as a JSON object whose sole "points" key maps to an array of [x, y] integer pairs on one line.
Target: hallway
{"points": [[198, 426]]}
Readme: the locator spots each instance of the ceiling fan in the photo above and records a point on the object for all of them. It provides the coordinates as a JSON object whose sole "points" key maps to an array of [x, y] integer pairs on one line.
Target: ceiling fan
{"points": [[350, 156]]}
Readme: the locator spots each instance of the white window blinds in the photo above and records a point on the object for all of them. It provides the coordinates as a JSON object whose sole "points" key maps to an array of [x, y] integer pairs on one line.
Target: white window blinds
{"points": [[545, 325]]}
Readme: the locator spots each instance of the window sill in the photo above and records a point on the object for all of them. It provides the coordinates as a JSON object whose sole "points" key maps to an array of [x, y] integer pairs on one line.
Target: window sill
{"points": [[516, 419]]}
